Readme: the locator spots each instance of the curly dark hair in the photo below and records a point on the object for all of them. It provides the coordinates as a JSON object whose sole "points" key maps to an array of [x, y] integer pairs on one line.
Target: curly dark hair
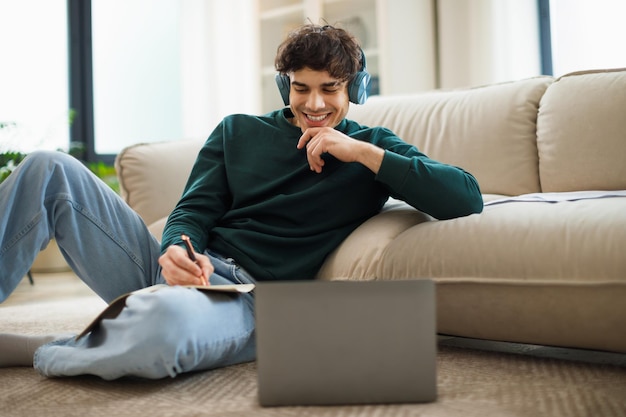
{"points": [[320, 48]]}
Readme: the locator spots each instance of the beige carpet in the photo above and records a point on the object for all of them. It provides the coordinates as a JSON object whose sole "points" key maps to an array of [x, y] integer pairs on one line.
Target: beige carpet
{"points": [[471, 383]]}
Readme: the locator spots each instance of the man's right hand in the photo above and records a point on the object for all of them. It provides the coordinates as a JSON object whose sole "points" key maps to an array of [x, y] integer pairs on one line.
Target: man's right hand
{"points": [[178, 269]]}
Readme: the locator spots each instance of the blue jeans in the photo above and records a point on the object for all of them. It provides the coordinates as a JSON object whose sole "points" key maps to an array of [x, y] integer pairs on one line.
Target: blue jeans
{"points": [[164, 333]]}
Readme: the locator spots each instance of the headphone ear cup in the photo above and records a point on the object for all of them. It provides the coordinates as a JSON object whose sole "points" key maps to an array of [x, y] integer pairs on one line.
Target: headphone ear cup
{"points": [[357, 89], [284, 87]]}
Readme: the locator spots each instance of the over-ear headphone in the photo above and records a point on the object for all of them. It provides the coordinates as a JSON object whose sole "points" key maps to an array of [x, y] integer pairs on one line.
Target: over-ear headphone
{"points": [[357, 88]]}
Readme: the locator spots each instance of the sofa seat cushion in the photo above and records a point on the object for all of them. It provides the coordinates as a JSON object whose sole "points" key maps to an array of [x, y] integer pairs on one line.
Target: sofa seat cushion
{"points": [[527, 272], [570, 241], [359, 255]]}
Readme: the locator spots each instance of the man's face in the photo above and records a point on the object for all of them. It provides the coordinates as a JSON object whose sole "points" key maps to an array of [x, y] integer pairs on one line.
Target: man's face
{"points": [[317, 99]]}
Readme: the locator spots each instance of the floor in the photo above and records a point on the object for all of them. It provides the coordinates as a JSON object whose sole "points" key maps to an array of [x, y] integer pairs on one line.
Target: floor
{"points": [[48, 286], [65, 285]]}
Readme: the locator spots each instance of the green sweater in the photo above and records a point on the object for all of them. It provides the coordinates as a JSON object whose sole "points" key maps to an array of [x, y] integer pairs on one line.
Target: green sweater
{"points": [[252, 197]]}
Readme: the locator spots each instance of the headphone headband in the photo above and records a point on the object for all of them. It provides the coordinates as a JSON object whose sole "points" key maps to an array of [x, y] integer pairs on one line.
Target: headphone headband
{"points": [[357, 87]]}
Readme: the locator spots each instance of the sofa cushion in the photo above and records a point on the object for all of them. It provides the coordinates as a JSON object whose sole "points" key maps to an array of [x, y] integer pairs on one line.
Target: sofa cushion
{"points": [[570, 241], [359, 254], [157, 227], [152, 176], [581, 132], [489, 131]]}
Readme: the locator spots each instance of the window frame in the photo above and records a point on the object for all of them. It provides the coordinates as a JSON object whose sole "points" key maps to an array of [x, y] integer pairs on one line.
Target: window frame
{"points": [[545, 37], [81, 80]]}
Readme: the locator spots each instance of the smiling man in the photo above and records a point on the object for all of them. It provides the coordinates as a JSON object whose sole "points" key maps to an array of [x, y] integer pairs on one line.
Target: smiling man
{"points": [[284, 189], [268, 198]]}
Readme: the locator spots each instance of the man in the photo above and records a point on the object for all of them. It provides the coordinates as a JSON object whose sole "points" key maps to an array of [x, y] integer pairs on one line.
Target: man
{"points": [[268, 198]]}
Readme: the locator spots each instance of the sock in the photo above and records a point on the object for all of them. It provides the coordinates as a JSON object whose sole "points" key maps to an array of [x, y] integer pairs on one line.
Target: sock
{"points": [[19, 350]]}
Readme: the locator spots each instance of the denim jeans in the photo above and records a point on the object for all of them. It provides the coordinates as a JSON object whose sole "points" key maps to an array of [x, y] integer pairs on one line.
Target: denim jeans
{"points": [[163, 333]]}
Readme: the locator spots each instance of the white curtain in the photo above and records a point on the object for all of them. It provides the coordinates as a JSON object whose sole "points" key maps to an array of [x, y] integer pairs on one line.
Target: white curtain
{"points": [[219, 59], [487, 41]]}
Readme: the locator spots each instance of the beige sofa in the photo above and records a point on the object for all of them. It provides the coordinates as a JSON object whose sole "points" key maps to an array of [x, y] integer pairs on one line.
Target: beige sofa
{"points": [[550, 273]]}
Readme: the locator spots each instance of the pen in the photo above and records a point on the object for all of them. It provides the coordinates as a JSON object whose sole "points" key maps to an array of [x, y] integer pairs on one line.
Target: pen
{"points": [[190, 253]]}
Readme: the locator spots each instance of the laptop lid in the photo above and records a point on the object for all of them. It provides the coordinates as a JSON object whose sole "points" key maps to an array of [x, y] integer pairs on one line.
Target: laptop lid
{"points": [[346, 342]]}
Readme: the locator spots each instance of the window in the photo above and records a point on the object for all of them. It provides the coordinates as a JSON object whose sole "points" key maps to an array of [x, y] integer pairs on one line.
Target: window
{"points": [[33, 75], [587, 34], [161, 70], [136, 72]]}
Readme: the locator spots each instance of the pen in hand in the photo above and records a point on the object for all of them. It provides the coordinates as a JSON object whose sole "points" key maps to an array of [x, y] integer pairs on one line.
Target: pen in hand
{"points": [[192, 256]]}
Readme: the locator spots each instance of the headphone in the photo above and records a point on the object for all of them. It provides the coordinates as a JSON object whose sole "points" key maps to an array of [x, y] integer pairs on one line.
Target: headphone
{"points": [[357, 88]]}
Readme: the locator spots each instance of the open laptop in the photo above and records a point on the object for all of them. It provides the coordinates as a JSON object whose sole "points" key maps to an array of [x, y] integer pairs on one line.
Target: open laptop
{"points": [[346, 342]]}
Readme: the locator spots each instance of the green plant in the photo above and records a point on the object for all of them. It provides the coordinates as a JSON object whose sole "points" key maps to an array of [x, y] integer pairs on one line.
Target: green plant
{"points": [[106, 173], [9, 160]]}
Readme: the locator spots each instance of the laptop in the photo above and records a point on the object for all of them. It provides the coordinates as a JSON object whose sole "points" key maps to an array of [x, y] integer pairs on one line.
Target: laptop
{"points": [[346, 342]]}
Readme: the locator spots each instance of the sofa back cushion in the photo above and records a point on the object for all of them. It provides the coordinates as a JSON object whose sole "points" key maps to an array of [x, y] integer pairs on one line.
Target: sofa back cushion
{"points": [[581, 132], [489, 131], [153, 175]]}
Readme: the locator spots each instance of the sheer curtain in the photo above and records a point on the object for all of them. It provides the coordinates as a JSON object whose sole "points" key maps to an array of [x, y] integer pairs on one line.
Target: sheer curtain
{"points": [[487, 41]]}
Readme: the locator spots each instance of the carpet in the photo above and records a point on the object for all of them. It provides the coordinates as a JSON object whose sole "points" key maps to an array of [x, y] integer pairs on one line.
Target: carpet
{"points": [[471, 382]]}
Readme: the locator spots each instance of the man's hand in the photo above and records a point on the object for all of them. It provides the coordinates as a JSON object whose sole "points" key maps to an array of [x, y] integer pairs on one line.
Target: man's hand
{"points": [[328, 140], [178, 269]]}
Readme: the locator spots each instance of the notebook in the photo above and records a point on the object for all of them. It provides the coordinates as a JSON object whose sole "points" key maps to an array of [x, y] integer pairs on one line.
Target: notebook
{"points": [[116, 306], [346, 342]]}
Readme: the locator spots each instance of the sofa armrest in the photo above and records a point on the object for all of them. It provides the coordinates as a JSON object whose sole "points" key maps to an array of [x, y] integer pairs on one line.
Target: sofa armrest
{"points": [[152, 175]]}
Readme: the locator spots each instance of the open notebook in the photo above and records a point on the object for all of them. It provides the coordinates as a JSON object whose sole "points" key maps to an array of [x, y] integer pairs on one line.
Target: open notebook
{"points": [[116, 306]]}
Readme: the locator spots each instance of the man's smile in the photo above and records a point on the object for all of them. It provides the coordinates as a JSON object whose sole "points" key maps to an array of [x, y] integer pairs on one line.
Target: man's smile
{"points": [[314, 118]]}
